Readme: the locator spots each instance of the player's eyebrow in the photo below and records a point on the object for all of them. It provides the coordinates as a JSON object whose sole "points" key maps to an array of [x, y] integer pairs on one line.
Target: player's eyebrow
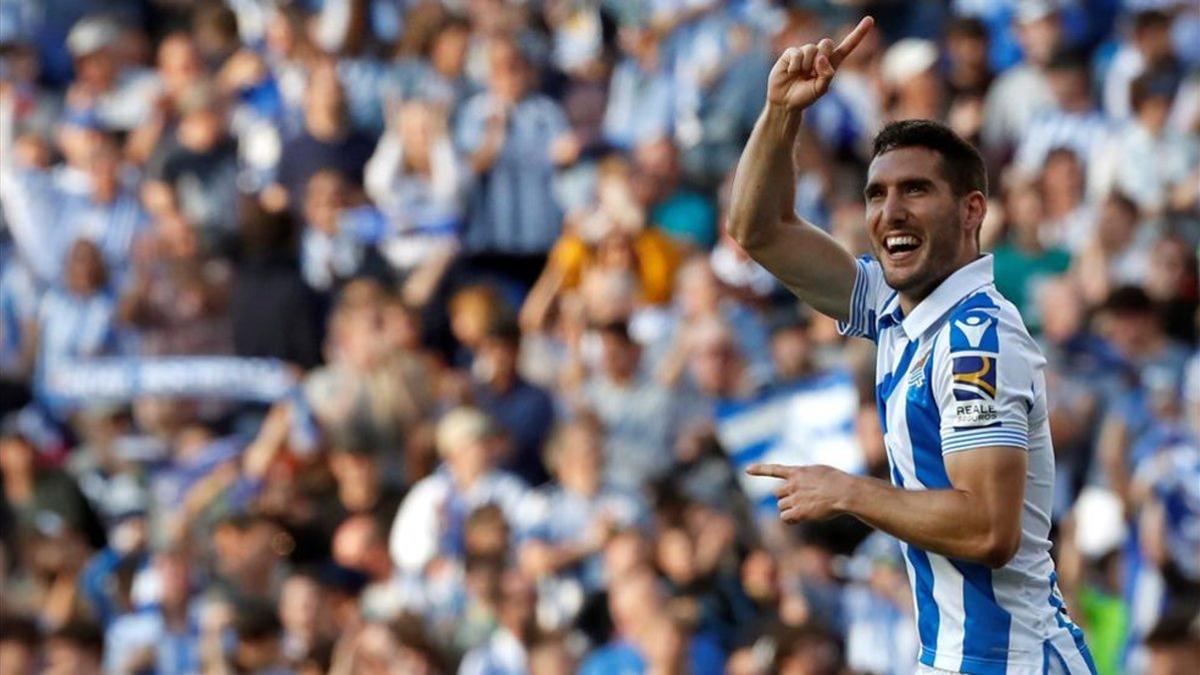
{"points": [[875, 187]]}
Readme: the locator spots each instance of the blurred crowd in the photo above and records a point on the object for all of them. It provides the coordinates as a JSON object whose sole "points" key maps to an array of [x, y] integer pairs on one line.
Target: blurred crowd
{"points": [[402, 336]]}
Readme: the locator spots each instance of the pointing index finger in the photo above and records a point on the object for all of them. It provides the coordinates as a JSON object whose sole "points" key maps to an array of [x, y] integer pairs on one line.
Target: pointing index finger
{"points": [[770, 470], [851, 41]]}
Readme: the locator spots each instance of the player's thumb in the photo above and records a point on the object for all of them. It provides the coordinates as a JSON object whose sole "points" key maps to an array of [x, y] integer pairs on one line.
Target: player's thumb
{"points": [[824, 70]]}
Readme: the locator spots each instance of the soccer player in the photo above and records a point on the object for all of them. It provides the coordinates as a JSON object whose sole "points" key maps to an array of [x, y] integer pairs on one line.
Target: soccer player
{"points": [[959, 384]]}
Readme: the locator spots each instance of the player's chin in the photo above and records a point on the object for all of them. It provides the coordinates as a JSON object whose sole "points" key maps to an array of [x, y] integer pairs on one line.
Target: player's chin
{"points": [[904, 271]]}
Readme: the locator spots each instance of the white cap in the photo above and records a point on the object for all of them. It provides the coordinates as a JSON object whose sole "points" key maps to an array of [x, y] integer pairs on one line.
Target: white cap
{"points": [[1099, 522], [91, 34], [908, 58], [1029, 11], [461, 426]]}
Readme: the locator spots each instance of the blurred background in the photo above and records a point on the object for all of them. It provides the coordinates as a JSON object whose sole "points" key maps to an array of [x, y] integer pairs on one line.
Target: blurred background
{"points": [[402, 336]]}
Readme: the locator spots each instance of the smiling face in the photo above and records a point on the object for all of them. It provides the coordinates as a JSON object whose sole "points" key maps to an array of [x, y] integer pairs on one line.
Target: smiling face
{"points": [[919, 230]]}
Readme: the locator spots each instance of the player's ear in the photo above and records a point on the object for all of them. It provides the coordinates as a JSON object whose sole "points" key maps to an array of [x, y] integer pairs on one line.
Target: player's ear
{"points": [[973, 208]]}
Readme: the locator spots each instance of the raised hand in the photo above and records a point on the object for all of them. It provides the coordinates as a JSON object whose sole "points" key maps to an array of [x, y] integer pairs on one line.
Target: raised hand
{"points": [[802, 74]]}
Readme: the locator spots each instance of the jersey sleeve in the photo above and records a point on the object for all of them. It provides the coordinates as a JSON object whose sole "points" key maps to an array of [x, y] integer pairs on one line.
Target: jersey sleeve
{"points": [[984, 382], [867, 299]]}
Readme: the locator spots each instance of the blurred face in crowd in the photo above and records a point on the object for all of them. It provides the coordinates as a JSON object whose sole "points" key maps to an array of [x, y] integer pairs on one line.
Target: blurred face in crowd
{"points": [[1039, 38], [1153, 112], [179, 63], [518, 600], [468, 460], [18, 657], [401, 326], [967, 50], [324, 100], [85, 268], [448, 53], [201, 129], [324, 198], [551, 658], [920, 230], [579, 459], [472, 311], [1060, 309], [1153, 37], [664, 645], [676, 556], [420, 125], [104, 171], [791, 352], [359, 545], [634, 599], [16, 457], [78, 143], [621, 356], [1172, 269], [625, 552], [357, 476], [67, 657], [176, 583], [1116, 224], [1071, 87], [609, 293], [509, 72], [714, 365], [498, 358], [1062, 180], [699, 289], [1131, 332], [487, 533], [300, 607], [98, 70], [656, 170], [760, 577]]}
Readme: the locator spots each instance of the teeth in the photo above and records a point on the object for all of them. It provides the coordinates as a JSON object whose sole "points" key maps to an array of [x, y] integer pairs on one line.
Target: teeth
{"points": [[900, 240]]}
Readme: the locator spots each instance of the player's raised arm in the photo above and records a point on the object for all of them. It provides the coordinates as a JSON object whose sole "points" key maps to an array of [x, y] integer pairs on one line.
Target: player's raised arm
{"points": [[761, 215]]}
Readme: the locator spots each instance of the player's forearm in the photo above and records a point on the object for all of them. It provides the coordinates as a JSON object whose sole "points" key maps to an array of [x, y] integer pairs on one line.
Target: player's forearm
{"points": [[946, 522], [764, 185]]}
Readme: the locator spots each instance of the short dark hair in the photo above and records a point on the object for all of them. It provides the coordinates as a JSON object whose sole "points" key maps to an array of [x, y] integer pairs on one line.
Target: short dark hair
{"points": [[81, 634], [20, 628], [961, 162]]}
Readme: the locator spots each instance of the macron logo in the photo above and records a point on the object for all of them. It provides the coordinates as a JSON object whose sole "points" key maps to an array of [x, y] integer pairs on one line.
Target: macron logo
{"points": [[973, 328]]}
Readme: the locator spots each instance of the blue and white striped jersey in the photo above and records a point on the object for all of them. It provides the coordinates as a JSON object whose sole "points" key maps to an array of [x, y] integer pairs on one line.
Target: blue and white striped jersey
{"points": [[961, 372]]}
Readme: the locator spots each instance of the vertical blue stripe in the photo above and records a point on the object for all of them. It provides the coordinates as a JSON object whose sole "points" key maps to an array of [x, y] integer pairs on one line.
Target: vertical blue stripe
{"points": [[888, 384], [928, 616], [986, 624], [924, 433], [1064, 621]]}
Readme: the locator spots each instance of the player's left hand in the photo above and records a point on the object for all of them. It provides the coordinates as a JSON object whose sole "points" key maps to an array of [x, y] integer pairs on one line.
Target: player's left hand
{"points": [[807, 493]]}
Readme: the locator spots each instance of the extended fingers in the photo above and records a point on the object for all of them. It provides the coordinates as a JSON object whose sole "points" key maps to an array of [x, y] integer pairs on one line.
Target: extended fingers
{"points": [[770, 470], [852, 40]]}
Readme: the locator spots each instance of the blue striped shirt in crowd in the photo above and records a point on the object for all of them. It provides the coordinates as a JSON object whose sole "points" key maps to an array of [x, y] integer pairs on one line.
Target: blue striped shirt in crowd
{"points": [[961, 372], [513, 208], [1085, 134], [47, 211]]}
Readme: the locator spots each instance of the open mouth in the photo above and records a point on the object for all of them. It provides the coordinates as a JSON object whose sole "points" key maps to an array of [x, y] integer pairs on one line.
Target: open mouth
{"points": [[897, 245]]}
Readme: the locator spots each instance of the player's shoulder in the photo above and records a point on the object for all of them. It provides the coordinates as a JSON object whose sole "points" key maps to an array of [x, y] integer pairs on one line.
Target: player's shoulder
{"points": [[985, 321]]}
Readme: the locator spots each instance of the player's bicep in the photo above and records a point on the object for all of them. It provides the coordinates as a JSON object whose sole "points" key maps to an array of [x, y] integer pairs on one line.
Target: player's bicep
{"points": [[812, 265], [994, 477]]}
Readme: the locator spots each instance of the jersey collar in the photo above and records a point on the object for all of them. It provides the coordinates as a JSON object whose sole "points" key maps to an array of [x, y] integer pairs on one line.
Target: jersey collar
{"points": [[963, 282]]}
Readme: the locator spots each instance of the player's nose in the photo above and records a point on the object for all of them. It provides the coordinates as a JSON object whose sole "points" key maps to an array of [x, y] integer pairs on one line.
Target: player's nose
{"points": [[893, 210]]}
